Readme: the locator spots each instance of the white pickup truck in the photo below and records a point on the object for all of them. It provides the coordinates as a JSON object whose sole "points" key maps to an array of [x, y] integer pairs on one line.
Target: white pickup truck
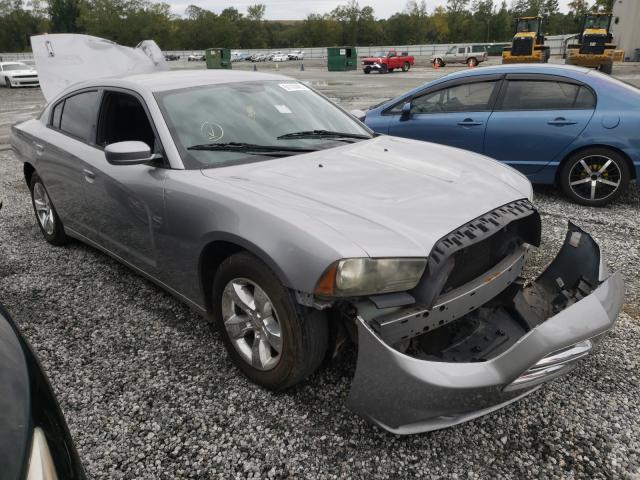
{"points": [[460, 54]]}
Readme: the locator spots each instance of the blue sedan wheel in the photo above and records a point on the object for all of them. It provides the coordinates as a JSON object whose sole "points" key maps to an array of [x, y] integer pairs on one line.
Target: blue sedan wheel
{"points": [[595, 176]]}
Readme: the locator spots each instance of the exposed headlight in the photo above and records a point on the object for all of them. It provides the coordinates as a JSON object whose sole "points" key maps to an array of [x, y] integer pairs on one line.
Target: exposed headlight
{"points": [[41, 466], [367, 276]]}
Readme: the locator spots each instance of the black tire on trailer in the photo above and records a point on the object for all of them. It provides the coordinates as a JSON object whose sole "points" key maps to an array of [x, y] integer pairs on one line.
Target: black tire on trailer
{"points": [[367, 70]]}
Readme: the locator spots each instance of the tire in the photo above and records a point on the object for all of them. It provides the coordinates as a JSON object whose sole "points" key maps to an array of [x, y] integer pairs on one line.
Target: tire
{"points": [[367, 70], [391, 70], [303, 332], [383, 69], [406, 66], [606, 68], [472, 62], [7, 82], [46, 215], [439, 62], [576, 182]]}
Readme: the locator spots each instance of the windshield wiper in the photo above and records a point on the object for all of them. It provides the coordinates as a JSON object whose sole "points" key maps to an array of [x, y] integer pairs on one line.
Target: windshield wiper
{"points": [[252, 149], [340, 136]]}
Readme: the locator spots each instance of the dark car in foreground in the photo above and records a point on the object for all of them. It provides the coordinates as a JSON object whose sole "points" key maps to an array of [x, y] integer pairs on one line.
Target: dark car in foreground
{"points": [[35, 443], [269, 209], [567, 126]]}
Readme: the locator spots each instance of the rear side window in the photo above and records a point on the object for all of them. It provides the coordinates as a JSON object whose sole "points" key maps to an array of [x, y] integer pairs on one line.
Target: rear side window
{"points": [[546, 95], [468, 97], [79, 115]]}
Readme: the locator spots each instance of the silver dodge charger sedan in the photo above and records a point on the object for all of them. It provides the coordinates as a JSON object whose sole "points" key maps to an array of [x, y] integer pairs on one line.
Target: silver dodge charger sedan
{"points": [[267, 208]]}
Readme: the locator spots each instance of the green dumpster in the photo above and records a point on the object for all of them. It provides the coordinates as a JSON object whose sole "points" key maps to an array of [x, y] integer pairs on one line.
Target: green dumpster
{"points": [[218, 57], [341, 59]]}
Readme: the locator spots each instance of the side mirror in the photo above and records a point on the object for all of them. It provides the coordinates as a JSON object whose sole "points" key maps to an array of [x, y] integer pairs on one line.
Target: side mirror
{"points": [[128, 153], [406, 111]]}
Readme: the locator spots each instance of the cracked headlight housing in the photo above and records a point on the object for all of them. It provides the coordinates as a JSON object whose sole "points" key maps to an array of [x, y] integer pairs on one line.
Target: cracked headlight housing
{"points": [[352, 277]]}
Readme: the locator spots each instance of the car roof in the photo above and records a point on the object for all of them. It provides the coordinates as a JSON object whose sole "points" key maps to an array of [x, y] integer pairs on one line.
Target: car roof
{"points": [[176, 79], [548, 68]]}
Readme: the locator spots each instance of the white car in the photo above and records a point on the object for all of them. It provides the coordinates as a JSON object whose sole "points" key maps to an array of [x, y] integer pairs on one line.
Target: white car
{"points": [[196, 57], [18, 74], [296, 55], [280, 57]]}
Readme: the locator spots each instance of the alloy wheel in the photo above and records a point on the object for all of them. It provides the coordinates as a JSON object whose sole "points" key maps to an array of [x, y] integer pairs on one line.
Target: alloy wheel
{"points": [[252, 323], [44, 210], [595, 177]]}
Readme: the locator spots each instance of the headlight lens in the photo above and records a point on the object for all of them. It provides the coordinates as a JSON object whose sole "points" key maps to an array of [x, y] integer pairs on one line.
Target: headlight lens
{"points": [[367, 276]]}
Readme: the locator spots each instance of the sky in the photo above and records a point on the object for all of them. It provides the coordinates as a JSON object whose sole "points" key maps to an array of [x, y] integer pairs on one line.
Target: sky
{"points": [[299, 9]]}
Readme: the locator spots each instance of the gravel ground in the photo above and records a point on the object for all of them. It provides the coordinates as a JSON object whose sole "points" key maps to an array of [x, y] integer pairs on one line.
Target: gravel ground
{"points": [[149, 392]]}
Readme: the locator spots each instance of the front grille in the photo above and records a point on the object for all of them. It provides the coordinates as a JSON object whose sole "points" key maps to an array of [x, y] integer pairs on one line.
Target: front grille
{"points": [[474, 248], [593, 44], [25, 76], [522, 46]]}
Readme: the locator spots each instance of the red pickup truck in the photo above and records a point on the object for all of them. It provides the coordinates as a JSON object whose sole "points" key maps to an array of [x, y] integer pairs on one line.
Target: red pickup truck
{"points": [[385, 62]]}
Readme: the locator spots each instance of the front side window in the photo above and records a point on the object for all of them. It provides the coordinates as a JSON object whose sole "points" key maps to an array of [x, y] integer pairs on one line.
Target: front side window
{"points": [[123, 118], [461, 50], [79, 115], [468, 97], [546, 95], [254, 113]]}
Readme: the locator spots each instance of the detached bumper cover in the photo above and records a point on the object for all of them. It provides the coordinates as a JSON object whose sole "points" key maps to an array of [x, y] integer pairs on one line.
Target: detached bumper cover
{"points": [[407, 395]]}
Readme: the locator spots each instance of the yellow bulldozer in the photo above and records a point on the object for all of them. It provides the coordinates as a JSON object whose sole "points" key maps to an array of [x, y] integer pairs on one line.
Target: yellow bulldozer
{"points": [[594, 48], [527, 45]]}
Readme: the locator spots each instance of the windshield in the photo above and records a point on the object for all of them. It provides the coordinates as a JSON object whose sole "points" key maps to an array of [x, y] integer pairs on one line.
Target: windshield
{"points": [[597, 22], [250, 112], [14, 66], [528, 25]]}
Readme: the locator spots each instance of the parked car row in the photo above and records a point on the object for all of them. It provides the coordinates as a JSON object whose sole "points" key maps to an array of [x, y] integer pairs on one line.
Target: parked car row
{"points": [[423, 274]]}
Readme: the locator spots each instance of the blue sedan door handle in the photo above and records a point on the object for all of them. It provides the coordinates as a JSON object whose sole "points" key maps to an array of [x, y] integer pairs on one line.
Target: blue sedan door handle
{"points": [[468, 122], [560, 122]]}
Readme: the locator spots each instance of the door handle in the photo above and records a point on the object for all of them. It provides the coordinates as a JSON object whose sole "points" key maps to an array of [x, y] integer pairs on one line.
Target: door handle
{"points": [[89, 176], [469, 122], [560, 121]]}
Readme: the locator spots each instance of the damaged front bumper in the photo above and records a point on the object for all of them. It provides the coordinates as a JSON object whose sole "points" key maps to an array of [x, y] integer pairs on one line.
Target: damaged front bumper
{"points": [[500, 351]]}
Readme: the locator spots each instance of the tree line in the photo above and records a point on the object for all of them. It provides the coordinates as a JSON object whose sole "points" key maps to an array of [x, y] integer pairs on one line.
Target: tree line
{"points": [[129, 21]]}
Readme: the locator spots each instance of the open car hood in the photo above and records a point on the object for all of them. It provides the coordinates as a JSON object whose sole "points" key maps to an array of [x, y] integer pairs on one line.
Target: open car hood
{"points": [[64, 59]]}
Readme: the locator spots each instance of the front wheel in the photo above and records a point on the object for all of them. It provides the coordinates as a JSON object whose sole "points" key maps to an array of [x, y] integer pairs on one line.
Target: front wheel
{"points": [[46, 215], [406, 67], [594, 177], [383, 69], [273, 340], [7, 82]]}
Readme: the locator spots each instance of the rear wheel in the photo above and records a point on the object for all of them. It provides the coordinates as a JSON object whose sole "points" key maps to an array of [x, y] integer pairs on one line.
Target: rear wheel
{"points": [[439, 62], [268, 335], [383, 69], [46, 215], [472, 62], [595, 176], [406, 66], [367, 70]]}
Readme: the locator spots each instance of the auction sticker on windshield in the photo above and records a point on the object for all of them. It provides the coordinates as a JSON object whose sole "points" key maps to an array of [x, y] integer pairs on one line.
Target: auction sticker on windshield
{"points": [[293, 87]]}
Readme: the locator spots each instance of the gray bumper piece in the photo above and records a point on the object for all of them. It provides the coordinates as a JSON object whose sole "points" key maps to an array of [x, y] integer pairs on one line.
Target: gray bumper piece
{"points": [[405, 395]]}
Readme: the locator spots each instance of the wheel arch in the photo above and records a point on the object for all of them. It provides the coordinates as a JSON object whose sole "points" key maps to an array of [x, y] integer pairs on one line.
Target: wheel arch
{"points": [[218, 248], [28, 170], [627, 159]]}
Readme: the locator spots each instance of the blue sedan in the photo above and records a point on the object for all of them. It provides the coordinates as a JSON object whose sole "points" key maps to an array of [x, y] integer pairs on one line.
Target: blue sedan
{"points": [[568, 126]]}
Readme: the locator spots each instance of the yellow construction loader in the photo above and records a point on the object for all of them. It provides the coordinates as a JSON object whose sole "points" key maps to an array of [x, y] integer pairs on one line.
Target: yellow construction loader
{"points": [[527, 45], [594, 48]]}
